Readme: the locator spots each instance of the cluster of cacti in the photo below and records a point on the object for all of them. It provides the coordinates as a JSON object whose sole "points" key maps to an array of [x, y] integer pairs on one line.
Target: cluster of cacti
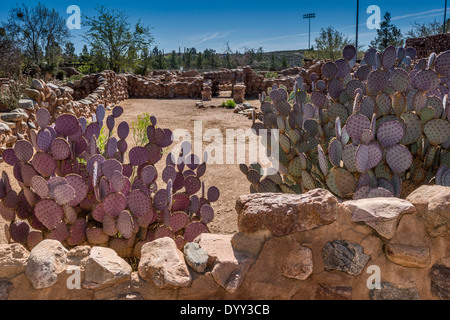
{"points": [[367, 130], [72, 193]]}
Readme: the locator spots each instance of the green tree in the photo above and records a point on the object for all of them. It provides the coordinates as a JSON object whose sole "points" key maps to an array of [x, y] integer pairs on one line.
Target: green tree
{"points": [[284, 63], [199, 61], [330, 42], [69, 54], [387, 35], [111, 34], [273, 62], [211, 58], [427, 29], [173, 60], [36, 31]]}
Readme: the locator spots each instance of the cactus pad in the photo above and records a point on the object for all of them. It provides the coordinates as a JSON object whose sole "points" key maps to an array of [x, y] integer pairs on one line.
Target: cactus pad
{"points": [[390, 133], [193, 230], [437, 131], [399, 158], [23, 150], [192, 185], [114, 203], [66, 125], [49, 213], [178, 221], [60, 149]]}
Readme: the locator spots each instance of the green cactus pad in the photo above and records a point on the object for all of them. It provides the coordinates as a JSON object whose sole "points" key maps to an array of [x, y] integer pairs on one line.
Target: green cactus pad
{"points": [[341, 182], [437, 131]]}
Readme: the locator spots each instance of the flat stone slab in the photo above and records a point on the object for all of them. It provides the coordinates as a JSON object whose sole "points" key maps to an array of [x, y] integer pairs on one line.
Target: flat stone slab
{"points": [[408, 256], [284, 214], [382, 214]]}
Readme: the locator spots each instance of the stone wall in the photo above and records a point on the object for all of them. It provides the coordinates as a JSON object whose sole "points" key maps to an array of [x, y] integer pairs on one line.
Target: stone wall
{"points": [[425, 46], [80, 98], [309, 246]]}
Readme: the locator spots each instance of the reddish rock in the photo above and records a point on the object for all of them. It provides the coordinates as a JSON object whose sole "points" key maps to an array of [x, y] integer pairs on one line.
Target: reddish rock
{"points": [[298, 263], [284, 214]]}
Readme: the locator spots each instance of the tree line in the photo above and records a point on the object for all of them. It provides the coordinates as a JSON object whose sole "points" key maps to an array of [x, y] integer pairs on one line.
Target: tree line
{"points": [[37, 40]]}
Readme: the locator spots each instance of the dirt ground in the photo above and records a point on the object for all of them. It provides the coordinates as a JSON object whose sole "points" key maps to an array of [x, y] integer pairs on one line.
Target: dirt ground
{"points": [[181, 114]]}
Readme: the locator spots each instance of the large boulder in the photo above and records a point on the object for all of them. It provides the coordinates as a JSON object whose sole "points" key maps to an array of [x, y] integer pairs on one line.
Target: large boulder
{"points": [[163, 264], [104, 267], [47, 260]]}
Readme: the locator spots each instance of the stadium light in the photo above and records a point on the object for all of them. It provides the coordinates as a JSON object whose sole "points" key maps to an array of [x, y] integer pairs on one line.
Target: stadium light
{"points": [[445, 18], [309, 16], [357, 24]]}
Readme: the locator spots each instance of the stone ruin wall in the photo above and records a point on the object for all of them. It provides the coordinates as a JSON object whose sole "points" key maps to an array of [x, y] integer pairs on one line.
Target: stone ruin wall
{"points": [[324, 249], [425, 46]]}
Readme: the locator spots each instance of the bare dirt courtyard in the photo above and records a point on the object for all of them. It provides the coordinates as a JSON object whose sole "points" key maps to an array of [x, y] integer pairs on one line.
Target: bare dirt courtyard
{"points": [[181, 114]]}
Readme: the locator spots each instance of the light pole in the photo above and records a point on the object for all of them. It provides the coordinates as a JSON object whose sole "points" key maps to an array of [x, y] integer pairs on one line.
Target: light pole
{"points": [[357, 23], [309, 16], [445, 18]]}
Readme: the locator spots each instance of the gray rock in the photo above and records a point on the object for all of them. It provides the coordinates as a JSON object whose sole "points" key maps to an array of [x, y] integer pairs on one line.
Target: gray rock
{"points": [[344, 256], [36, 84], [47, 260], [32, 94], [196, 257], [4, 127], [104, 267], [14, 116], [52, 86], [5, 288], [440, 278], [389, 291]]}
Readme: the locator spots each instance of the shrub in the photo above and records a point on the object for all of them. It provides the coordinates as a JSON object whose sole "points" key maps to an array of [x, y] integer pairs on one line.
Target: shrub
{"points": [[229, 104], [60, 75]]}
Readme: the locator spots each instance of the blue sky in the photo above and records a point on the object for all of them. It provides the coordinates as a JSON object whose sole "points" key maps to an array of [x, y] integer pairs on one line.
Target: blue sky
{"points": [[269, 24]]}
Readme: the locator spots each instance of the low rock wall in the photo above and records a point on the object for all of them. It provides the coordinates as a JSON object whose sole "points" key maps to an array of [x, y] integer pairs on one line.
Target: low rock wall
{"points": [[289, 247]]}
